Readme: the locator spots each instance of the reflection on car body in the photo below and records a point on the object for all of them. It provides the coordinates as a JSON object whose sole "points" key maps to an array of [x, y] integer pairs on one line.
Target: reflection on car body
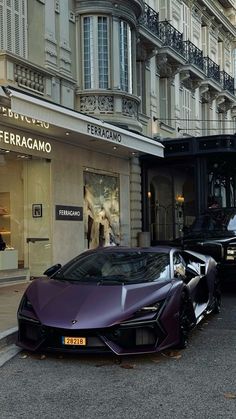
{"points": [[119, 300]]}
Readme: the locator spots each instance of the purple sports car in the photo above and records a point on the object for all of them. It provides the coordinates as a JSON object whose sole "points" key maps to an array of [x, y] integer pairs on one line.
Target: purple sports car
{"points": [[119, 300]]}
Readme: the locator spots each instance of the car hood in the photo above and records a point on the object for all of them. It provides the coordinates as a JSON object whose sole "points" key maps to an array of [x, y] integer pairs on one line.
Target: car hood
{"points": [[202, 240], [72, 305]]}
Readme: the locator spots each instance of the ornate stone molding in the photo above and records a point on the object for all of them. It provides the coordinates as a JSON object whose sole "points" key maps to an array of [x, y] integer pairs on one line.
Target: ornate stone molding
{"points": [[65, 58], [223, 104], [28, 78], [165, 68], [129, 107], [207, 94], [99, 104], [50, 51]]}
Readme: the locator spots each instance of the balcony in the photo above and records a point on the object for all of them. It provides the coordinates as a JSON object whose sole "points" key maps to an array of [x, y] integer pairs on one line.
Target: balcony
{"points": [[227, 82], [23, 74], [211, 69], [148, 34], [172, 38], [193, 55], [162, 38], [117, 107], [150, 19], [39, 81], [192, 72]]}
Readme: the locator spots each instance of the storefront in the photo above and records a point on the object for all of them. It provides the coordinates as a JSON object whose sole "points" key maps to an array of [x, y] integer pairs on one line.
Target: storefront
{"points": [[66, 182], [196, 174]]}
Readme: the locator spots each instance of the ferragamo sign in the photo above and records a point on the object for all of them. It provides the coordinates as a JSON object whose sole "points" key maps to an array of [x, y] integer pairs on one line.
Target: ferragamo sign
{"points": [[25, 142]]}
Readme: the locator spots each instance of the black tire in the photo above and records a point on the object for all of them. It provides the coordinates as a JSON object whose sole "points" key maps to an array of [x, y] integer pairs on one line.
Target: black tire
{"points": [[185, 320]]}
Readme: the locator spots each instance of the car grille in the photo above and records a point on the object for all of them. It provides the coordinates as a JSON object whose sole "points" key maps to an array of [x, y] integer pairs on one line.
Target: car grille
{"points": [[120, 339]]}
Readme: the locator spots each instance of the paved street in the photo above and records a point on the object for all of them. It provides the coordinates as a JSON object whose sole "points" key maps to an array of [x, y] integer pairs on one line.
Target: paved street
{"points": [[198, 382]]}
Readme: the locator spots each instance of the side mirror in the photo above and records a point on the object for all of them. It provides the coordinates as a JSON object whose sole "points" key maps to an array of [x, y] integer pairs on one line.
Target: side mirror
{"points": [[52, 270]]}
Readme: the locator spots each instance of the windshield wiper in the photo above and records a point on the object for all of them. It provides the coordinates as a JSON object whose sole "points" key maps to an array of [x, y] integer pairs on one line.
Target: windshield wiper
{"points": [[113, 280]]}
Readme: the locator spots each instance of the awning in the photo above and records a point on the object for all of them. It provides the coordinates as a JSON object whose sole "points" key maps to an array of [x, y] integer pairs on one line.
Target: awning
{"points": [[80, 129]]}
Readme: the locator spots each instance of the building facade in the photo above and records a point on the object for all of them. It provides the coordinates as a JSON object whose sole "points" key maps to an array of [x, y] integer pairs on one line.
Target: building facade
{"points": [[192, 111], [70, 136], [88, 88]]}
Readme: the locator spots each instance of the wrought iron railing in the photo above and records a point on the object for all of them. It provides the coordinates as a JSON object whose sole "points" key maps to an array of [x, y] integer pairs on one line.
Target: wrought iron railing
{"points": [[150, 19], [193, 54], [212, 70], [171, 37], [227, 82]]}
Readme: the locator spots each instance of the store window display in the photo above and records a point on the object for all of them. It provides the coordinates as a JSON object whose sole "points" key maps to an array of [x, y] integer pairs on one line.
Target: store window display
{"points": [[101, 210]]}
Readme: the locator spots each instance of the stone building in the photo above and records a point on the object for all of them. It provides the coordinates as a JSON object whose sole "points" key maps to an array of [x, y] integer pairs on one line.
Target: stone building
{"points": [[89, 90]]}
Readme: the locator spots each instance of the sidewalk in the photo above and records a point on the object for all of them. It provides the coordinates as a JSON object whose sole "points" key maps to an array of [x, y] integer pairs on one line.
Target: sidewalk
{"points": [[10, 296]]}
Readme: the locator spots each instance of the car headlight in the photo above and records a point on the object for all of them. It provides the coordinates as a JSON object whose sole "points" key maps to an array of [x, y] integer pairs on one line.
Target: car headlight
{"points": [[144, 314], [231, 253], [152, 308]]}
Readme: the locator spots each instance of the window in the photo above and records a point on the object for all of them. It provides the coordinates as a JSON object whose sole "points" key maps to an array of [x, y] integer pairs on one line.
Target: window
{"points": [[165, 101], [103, 52], [125, 58], [96, 52], [141, 87], [179, 266], [185, 20], [186, 109], [13, 26]]}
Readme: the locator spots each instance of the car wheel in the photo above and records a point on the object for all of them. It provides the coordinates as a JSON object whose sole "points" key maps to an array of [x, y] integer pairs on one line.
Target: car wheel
{"points": [[185, 321], [216, 300]]}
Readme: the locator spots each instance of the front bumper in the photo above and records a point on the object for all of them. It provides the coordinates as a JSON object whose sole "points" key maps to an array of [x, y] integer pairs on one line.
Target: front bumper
{"points": [[121, 340]]}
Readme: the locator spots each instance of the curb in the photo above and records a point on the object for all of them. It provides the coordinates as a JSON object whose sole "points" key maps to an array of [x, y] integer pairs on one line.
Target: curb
{"points": [[8, 337]]}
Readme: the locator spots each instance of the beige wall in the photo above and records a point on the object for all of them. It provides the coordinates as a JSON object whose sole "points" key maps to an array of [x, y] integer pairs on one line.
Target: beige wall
{"points": [[67, 189]]}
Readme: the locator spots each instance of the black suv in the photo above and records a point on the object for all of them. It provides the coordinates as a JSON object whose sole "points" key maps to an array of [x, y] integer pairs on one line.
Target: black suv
{"points": [[214, 233]]}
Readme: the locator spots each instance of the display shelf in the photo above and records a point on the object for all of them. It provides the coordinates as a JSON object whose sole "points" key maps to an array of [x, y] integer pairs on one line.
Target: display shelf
{"points": [[8, 259]]}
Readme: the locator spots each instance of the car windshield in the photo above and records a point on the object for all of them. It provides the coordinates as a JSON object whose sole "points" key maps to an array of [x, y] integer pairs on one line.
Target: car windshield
{"points": [[116, 267], [215, 222]]}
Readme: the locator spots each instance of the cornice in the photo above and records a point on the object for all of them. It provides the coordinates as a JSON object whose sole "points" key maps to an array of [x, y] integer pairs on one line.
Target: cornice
{"points": [[210, 6], [129, 10]]}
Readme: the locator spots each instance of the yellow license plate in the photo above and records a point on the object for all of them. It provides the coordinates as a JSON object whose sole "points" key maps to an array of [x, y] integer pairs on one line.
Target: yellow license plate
{"points": [[68, 340]]}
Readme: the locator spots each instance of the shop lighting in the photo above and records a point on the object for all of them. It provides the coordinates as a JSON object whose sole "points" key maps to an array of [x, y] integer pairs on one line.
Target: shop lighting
{"points": [[23, 157], [180, 199]]}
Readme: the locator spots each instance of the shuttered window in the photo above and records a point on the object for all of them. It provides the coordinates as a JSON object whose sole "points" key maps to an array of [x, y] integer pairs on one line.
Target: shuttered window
{"points": [[13, 26], [165, 101], [185, 21], [187, 110]]}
